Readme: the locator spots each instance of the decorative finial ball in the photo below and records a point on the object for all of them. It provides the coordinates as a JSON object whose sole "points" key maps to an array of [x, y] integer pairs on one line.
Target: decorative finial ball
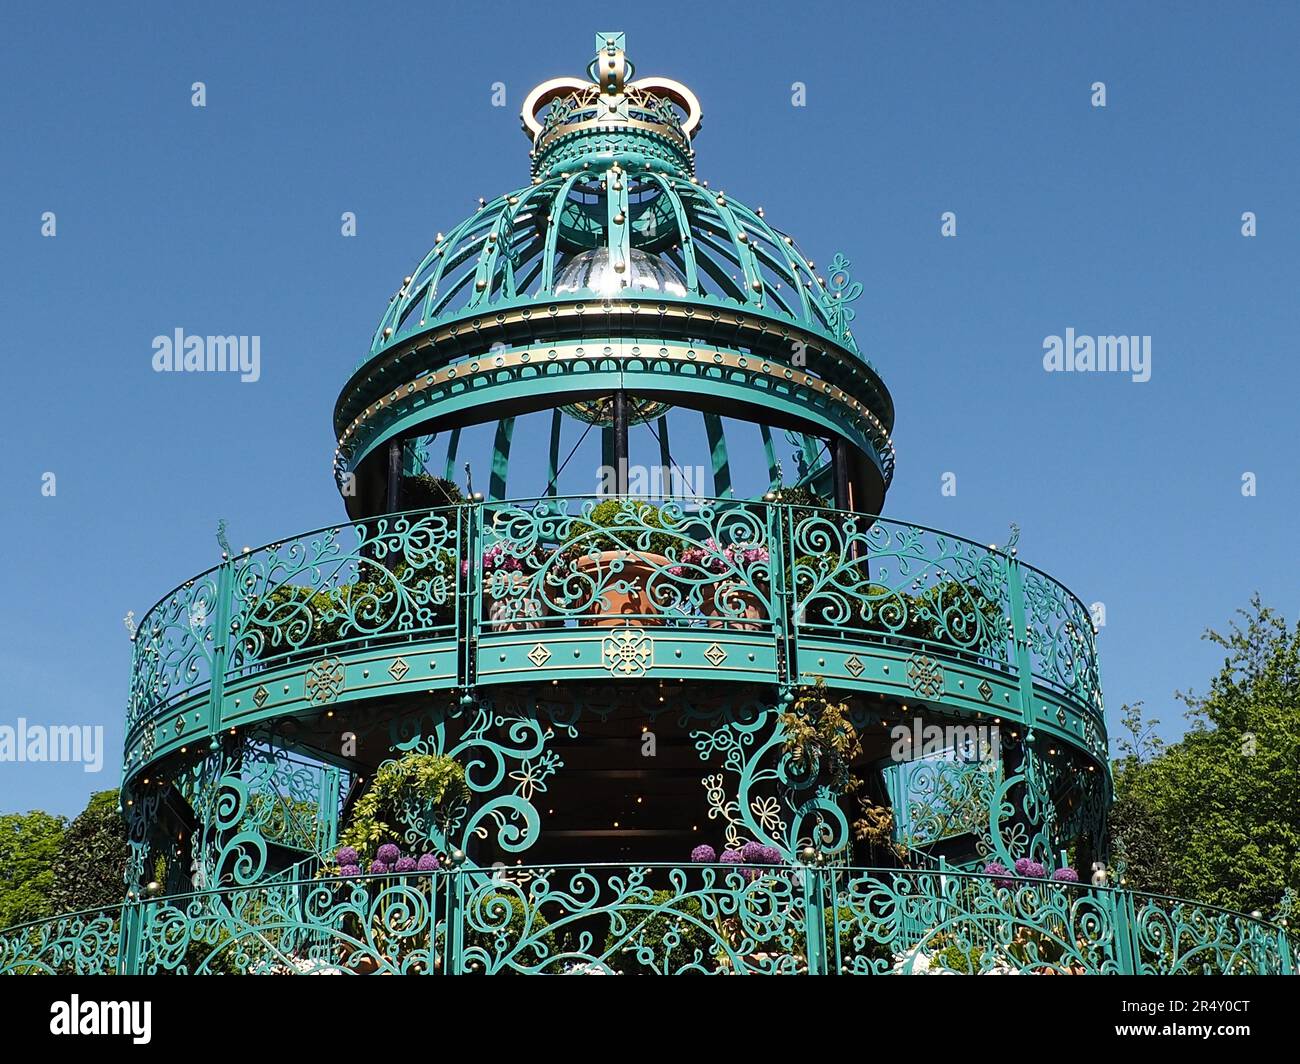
{"points": [[808, 855], [153, 888], [456, 857]]}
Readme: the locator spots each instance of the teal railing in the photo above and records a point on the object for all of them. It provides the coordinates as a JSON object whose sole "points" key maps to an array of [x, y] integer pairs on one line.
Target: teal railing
{"points": [[678, 919]]}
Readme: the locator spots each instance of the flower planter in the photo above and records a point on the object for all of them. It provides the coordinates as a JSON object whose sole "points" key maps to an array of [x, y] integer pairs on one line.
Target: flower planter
{"points": [[515, 610], [620, 579], [731, 604]]}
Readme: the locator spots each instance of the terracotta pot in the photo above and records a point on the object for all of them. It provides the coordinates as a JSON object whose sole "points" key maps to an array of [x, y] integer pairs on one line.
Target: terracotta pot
{"points": [[359, 963], [740, 608], [621, 596], [515, 613]]}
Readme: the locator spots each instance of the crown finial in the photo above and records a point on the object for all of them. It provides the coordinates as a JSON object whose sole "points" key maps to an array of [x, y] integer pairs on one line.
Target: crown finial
{"points": [[571, 121]]}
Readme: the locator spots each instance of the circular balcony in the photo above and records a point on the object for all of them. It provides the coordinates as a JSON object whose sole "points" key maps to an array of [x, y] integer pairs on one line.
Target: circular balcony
{"points": [[576, 594]]}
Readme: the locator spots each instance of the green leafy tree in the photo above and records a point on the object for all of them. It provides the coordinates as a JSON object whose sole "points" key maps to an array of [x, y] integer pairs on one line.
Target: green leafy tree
{"points": [[28, 844], [1216, 816], [91, 857]]}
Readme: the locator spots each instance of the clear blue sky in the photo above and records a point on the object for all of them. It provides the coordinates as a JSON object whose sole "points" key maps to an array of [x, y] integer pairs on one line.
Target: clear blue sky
{"points": [[226, 220]]}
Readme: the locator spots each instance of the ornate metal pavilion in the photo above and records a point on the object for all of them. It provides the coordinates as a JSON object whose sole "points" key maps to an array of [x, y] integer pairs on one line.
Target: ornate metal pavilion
{"points": [[468, 733]]}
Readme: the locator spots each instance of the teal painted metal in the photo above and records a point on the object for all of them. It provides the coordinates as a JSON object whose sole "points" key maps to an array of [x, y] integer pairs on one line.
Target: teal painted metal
{"points": [[718, 456], [501, 458], [613, 176], [499, 633], [827, 604], [654, 919]]}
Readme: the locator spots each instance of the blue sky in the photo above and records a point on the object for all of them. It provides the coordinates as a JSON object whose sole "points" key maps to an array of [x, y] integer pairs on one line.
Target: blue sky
{"points": [[225, 219]]}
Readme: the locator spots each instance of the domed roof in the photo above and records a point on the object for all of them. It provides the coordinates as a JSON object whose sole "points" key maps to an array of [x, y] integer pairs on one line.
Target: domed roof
{"points": [[614, 170], [617, 267]]}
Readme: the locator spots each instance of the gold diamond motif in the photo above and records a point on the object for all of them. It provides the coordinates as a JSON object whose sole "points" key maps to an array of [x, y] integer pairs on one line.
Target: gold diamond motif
{"points": [[539, 655], [627, 652], [985, 689], [855, 666], [260, 696], [325, 679], [398, 669], [715, 655]]}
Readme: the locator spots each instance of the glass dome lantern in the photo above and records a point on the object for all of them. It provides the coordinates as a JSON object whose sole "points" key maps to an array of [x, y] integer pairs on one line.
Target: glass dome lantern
{"points": [[596, 271]]}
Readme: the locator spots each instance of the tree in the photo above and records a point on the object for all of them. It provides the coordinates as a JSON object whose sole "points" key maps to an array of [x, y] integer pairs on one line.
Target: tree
{"points": [[1216, 816], [28, 843], [91, 858]]}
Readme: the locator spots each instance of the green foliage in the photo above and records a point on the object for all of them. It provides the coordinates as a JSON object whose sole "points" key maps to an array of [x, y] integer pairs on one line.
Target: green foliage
{"points": [[944, 613], [91, 859], [424, 491], [508, 941], [820, 739], [1216, 816], [350, 611], [626, 526], [803, 502], [676, 937], [29, 843], [428, 783], [856, 941]]}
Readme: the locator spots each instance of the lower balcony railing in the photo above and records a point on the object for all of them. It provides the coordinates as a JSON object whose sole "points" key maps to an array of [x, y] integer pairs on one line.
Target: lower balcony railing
{"points": [[654, 919]]}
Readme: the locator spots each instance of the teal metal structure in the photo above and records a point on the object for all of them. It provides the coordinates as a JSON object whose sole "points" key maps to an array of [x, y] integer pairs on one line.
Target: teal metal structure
{"points": [[617, 675]]}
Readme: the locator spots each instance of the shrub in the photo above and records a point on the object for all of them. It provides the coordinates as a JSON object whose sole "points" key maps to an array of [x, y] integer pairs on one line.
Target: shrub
{"points": [[619, 525], [692, 944], [426, 492]]}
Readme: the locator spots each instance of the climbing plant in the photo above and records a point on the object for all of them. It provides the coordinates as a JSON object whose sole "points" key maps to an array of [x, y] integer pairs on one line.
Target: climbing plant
{"points": [[406, 795]]}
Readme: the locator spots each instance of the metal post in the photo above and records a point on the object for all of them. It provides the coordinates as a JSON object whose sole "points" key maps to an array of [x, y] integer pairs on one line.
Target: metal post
{"points": [[814, 910], [128, 954], [394, 476], [840, 470], [620, 442], [221, 634]]}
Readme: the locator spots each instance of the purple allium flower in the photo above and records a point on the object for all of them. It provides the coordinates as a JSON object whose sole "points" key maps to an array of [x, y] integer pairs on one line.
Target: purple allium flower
{"points": [[379, 868], [347, 856], [1065, 875], [704, 854], [404, 864], [350, 870], [752, 853], [1035, 871], [771, 855], [1022, 866], [388, 853], [428, 862], [730, 857], [997, 868]]}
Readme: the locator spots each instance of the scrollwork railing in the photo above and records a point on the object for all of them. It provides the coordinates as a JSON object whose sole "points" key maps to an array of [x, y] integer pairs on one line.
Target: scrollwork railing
{"points": [[788, 574], [655, 919]]}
